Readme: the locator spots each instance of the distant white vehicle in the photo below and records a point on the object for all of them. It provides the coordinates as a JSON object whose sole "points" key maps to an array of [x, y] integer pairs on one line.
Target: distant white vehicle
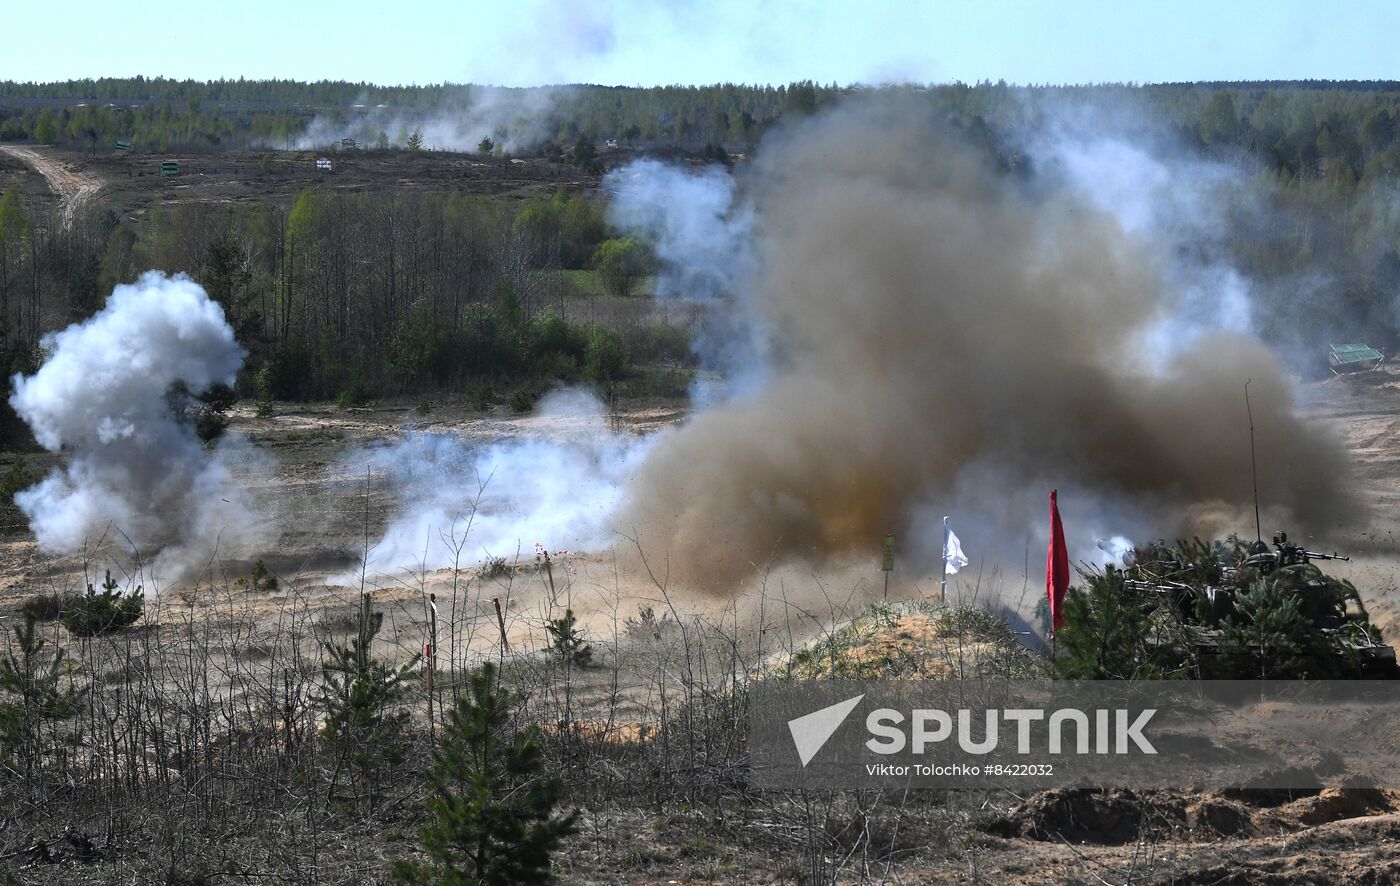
{"points": [[612, 143]]}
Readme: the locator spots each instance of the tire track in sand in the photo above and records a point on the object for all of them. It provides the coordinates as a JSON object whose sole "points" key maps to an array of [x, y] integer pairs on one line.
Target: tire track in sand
{"points": [[74, 189]]}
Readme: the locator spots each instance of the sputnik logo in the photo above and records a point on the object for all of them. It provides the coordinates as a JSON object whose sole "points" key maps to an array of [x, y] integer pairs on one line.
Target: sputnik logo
{"points": [[811, 732]]}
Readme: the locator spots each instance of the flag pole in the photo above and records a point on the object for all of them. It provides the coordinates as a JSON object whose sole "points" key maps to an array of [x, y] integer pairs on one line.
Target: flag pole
{"points": [[1056, 571], [943, 582], [887, 566]]}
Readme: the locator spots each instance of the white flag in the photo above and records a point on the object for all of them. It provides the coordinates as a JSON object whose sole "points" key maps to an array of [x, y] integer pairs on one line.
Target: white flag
{"points": [[953, 556]]}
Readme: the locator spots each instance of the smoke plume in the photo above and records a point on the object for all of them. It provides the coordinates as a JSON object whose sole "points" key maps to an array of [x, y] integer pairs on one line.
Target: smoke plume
{"points": [[701, 230], [700, 233], [103, 397], [1182, 209], [954, 341], [463, 501], [515, 119]]}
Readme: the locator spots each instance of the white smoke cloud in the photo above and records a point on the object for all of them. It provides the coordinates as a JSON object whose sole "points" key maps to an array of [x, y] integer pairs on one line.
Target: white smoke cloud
{"points": [[560, 488], [102, 396], [701, 229], [701, 232], [514, 119]]}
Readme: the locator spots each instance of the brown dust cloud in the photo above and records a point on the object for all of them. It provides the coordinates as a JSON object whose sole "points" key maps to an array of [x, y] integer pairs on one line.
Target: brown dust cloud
{"points": [[948, 339]]}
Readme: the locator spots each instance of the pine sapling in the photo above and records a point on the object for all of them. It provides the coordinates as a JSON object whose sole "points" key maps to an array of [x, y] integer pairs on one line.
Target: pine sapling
{"points": [[492, 808]]}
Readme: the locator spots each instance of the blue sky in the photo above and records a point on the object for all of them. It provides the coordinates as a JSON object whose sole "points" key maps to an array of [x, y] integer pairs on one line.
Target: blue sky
{"points": [[629, 42]]}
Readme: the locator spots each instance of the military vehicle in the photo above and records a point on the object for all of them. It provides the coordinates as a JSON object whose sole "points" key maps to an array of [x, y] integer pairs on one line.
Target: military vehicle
{"points": [[1226, 602]]}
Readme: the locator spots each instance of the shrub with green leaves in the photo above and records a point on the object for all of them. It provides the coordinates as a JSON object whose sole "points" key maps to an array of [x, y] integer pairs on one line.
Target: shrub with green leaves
{"points": [[606, 359], [492, 807], [356, 393], [100, 612], [621, 263], [524, 399]]}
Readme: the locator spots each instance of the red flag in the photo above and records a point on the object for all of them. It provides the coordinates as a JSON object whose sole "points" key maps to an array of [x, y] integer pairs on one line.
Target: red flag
{"points": [[1056, 567]]}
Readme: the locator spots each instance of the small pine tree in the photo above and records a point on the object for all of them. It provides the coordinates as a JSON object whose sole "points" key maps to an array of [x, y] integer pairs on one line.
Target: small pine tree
{"points": [[415, 140], [211, 416], [1106, 633], [567, 641], [30, 696], [365, 717], [99, 613], [1268, 636], [485, 146], [493, 809], [259, 579]]}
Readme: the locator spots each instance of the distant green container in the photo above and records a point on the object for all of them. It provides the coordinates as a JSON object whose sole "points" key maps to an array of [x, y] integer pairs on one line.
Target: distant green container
{"points": [[169, 168], [1355, 357], [123, 146]]}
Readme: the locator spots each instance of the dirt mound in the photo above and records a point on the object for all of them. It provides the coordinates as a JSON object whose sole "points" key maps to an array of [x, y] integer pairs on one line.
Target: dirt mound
{"points": [[915, 639], [1116, 817], [1090, 815], [1333, 804]]}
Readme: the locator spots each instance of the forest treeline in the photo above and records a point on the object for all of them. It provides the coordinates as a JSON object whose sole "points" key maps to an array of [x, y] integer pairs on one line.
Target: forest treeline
{"points": [[1312, 129], [160, 115]]}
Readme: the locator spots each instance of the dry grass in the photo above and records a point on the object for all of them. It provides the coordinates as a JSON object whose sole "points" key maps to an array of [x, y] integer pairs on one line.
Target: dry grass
{"points": [[197, 754]]}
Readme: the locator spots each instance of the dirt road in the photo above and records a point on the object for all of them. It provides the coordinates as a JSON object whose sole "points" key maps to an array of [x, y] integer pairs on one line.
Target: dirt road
{"points": [[74, 188]]}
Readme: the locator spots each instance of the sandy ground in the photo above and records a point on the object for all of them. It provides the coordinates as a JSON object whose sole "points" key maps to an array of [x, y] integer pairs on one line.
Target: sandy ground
{"points": [[1365, 411], [75, 187]]}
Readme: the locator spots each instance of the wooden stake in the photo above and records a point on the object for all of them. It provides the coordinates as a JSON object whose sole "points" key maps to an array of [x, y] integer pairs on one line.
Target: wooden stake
{"points": [[500, 620], [430, 660], [549, 572]]}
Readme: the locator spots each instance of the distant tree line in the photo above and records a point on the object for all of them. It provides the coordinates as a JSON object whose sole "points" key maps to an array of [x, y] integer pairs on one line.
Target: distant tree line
{"points": [[1344, 131], [161, 115]]}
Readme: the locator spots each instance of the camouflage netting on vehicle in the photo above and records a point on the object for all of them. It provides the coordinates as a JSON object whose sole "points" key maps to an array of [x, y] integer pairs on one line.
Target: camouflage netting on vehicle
{"points": [[1220, 610]]}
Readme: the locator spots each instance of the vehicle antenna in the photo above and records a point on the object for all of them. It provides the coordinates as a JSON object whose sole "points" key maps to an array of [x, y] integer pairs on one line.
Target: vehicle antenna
{"points": [[1253, 462]]}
